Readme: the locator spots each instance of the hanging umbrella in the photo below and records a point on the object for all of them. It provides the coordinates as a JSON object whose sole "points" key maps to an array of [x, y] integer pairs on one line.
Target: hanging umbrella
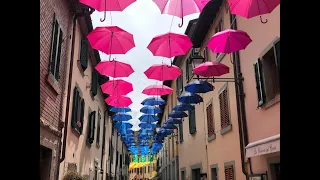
{"points": [[170, 45], [199, 87], [117, 87], [158, 89], [183, 107], [114, 69], [190, 98], [120, 109], [180, 8], [163, 72], [150, 110], [229, 41], [121, 117], [212, 68], [147, 125], [252, 8], [148, 118], [169, 126], [173, 121], [153, 101], [118, 101], [178, 114], [111, 40]]}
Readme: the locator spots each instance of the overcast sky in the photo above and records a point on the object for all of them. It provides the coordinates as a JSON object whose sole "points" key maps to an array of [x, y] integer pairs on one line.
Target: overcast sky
{"points": [[144, 20]]}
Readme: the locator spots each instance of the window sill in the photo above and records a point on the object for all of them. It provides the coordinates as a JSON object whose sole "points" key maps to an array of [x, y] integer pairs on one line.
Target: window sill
{"points": [[53, 83], [76, 132], [181, 141], [212, 137], [98, 145], [226, 129], [273, 101], [194, 133]]}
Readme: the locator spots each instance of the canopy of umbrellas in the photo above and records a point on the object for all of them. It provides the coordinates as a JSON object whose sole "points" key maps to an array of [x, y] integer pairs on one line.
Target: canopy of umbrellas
{"points": [[114, 40]]}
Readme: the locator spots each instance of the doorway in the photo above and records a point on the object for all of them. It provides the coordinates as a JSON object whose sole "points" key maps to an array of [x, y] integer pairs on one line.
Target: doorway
{"points": [[45, 162]]}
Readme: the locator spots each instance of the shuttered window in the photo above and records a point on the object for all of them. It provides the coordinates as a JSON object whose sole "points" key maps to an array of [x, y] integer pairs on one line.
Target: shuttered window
{"points": [[224, 108], [259, 82], [91, 127], [189, 68], [78, 107], [277, 57], [229, 173], [98, 127], [179, 83], [94, 83], [55, 54], [84, 47], [192, 121], [181, 132], [210, 123]]}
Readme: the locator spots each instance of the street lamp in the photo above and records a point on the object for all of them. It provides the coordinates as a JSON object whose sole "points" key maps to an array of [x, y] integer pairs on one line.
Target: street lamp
{"points": [[196, 59]]}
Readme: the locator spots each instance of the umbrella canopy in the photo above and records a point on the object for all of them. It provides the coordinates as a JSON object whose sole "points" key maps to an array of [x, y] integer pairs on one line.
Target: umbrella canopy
{"points": [[153, 101], [108, 5], [212, 68], [118, 101], [148, 118], [111, 40], [120, 109], [117, 87], [158, 89], [173, 121], [150, 110], [183, 107], [170, 45], [163, 72], [199, 87], [147, 126], [121, 117], [229, 41], [114, 69], [178, 114], [169, 126], [190, 98]]}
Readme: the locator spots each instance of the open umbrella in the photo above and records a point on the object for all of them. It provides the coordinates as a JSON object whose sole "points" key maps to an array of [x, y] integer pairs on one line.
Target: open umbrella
{"points": [[163, 72], [114, 68], [173, 121], [212, 68], [117, 87], [180, 8], [120, 109], [169, 126], [178, 114], [150, 110], [252, 8], [148, 118], [190, 98], [199, 87], [153, 101], [118, 101], [121, 117], [147, 125], [229, 41], [158, 89], [170, 45], [183, 107], [111, 40]]}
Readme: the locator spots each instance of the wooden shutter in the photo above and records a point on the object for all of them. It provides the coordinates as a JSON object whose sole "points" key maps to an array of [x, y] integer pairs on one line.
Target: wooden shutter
{"points": [[192, 121], [74, 108], [57, 64], [98, 127], [84, 53], [229, 173], [94, 83], [259, 82], [277, 55], [224, 108], [92, 127], [54, 40], [81, 115], [181, 132], [210, 120]]}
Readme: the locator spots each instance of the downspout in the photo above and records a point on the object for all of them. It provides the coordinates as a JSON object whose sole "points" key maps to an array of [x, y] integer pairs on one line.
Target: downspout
{"points": [[242, 121], [111, 154], [104, 142]]}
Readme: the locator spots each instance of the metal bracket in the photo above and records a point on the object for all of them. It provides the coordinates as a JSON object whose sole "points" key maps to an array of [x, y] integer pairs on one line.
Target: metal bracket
{"points": [[214, 79]]}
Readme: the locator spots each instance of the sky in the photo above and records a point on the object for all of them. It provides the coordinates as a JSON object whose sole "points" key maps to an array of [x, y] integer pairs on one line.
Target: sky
{"points": [[144, 20]]}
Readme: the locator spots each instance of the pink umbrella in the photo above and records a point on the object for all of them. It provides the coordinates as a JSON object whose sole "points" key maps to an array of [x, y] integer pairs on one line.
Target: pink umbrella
{"points": [[157, 90], [114, 68], [107, 5], [170, 45], [209, 69], [118, 101], [180, 8], [229, 41], [111, 40], [162, 72], [117, 87], [252, 8]]}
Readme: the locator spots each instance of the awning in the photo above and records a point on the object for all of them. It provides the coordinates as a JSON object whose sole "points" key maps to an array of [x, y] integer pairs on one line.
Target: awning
{"points": [[264, 146]]}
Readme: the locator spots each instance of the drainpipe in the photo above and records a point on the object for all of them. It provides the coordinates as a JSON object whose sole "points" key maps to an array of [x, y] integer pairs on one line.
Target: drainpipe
{"points": [[242, 121], [104, 142], [110, 146]]}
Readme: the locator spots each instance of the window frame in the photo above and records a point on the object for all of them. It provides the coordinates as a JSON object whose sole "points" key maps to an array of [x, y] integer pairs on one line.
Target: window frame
{"points": [[229, 126]]}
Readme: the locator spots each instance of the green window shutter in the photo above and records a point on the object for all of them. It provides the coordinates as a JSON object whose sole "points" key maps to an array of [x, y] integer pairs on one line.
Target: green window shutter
{"points": [[192, 121], [92, 126], [55, 52], [94, 83], [84, 53], [181, 132], [259, 82], [74, 108], [277, 55], [82, 115], [98, 127]]}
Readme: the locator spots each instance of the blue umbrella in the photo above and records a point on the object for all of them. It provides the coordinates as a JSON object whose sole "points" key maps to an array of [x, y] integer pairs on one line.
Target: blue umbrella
{"points": [[148, 118], [169, 126], [190, 98], [178, 114], [199, 87], [183, 107], [173, 121], [153, 101], [121, 109], [129, 131], [121, 117], [147, 125], [150, 110]]}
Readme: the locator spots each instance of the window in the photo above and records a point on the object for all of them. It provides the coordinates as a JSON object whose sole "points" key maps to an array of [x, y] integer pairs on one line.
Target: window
{"points": [[192, 121], [181, 132], [94, 83], [149, 169], [55, 54], [95, 170], [229, 173], [210, 122], [104, 130], [77, 111], [206, 52], [91, 127], [98, 127], [224, 107], [179, 82], [219, 28], [267, 74], [183, 175], [84, 47], [189, 68], [214, 174]]}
